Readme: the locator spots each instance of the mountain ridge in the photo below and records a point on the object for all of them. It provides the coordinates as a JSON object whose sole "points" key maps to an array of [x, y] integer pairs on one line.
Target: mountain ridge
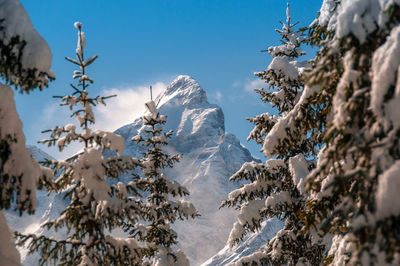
{"points": [[210, 156]]}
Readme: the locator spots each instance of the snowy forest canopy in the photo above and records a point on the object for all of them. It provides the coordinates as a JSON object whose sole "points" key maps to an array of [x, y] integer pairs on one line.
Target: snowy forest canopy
{"points": [[331, 172]]}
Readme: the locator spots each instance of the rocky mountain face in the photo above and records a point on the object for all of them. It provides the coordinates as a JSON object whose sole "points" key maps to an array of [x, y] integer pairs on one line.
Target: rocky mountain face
{"points": [[210, 157]]}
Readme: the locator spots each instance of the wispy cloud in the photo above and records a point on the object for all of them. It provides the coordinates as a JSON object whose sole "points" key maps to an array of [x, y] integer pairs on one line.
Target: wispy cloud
{"points": [[126, 107], [218, 96], [119, 111], [236, 84], [250, 85]]}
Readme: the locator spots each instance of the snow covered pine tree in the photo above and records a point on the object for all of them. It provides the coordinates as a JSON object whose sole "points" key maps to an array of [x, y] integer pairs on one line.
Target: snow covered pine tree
{"points": [[355, 187], [160, 211], [276, 187], [95, 207], [25, 60]]}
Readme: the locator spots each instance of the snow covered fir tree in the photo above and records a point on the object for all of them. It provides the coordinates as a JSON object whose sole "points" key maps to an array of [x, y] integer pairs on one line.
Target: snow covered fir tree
{"points": [[160, 211], [348, 110], [97, 206], [99, 203], [355, 186], [25, 64], [276, 187], [326, 193]]}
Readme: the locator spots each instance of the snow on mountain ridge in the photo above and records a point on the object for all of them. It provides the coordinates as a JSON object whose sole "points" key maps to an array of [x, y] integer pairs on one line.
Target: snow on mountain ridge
{"points": [[210, 157], [250, 243], [38, 154], [183, 90]]}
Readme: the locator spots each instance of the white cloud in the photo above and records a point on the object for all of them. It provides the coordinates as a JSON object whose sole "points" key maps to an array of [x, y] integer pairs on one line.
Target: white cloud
{"points": [[218, 96], [126, 107], [236, 84], [250, 85], [119, 111]]}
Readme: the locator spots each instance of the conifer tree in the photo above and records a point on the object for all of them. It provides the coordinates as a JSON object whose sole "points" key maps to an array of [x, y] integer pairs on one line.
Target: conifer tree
{"points": [[276, 187], [25, 60], [161, 204], [98, 203], [356, 182]]}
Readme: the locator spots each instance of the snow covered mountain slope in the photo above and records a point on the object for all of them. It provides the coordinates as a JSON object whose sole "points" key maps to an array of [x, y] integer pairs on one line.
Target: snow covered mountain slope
{"points": [[38, 154], [210, 157], [249, 245]]}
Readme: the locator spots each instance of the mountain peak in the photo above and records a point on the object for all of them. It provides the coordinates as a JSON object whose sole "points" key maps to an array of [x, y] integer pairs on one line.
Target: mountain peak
{"points": [[182, 81], [184, 78], [184, 90], [210, 157]]}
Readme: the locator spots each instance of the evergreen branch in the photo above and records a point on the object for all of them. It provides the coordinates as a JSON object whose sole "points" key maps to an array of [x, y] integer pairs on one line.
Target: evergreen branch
{"points": [[73, 61]]}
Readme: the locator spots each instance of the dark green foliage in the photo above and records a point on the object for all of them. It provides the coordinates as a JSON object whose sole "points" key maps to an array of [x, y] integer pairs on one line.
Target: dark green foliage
{"points": [[346, 180], [161, 211], [95, 208], [275, 188], [11, 68]]}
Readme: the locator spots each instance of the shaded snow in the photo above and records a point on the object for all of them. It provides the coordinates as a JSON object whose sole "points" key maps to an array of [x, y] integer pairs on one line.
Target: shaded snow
{"points": [[9, 255], [20, 162], [36, 53], [45, 203], [385, 68], [298, 168], [387, 195]]}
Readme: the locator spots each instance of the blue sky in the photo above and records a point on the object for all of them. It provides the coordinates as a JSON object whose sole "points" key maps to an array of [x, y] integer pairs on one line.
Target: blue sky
{"points": [[142, 43]]}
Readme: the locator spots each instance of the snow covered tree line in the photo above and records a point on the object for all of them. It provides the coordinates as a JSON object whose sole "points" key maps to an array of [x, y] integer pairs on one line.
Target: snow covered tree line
{"points": [[335, 173], [355, 184], [99, 203], [98, 206], [276, 187]]}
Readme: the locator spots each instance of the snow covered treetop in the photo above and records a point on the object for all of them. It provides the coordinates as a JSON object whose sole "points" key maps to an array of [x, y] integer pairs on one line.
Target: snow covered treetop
{"points": [[184, 90], [152, 116], [25, 57], [356, 17], [291, 40]]}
